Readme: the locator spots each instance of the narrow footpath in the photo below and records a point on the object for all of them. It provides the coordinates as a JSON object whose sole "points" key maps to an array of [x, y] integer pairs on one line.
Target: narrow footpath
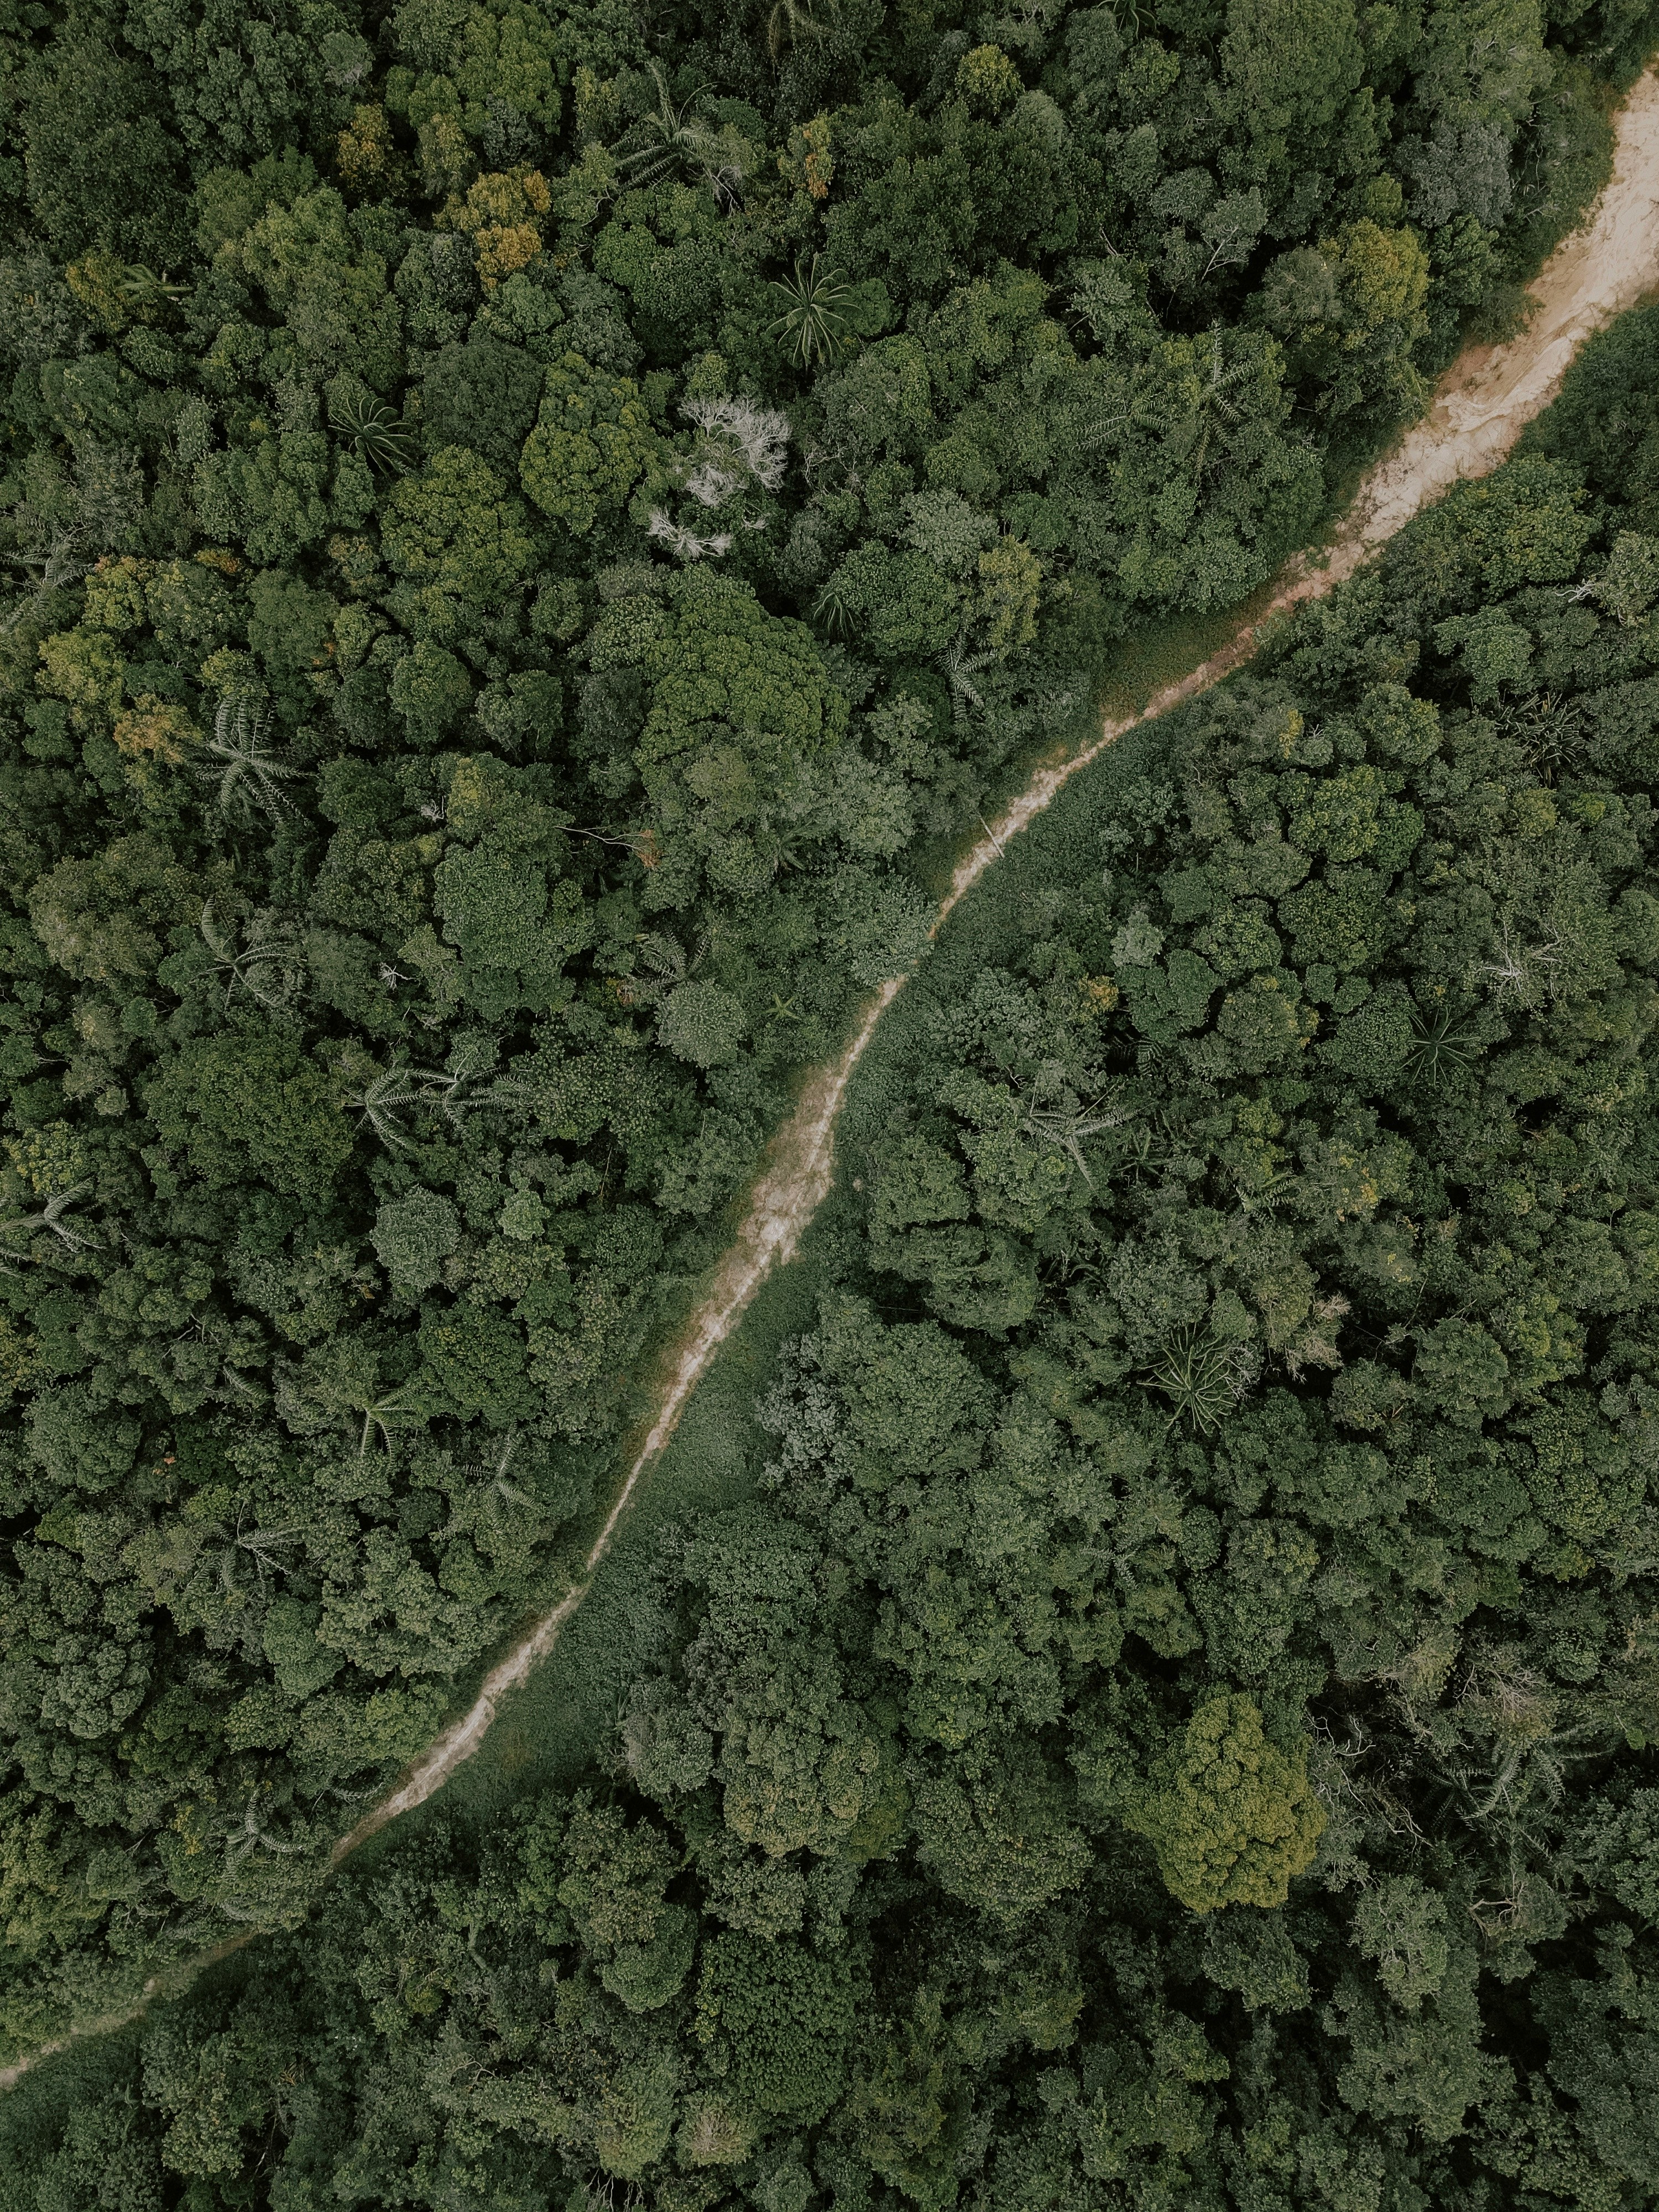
{"points": [[1483, 403]]}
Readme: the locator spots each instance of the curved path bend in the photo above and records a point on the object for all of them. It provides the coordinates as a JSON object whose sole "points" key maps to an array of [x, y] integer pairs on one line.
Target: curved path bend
{"points": [[1481, 405]]}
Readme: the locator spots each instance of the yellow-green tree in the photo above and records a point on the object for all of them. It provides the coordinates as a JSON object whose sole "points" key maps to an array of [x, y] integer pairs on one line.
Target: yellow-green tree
{"points": [[1234, 1817], [592, 443]]}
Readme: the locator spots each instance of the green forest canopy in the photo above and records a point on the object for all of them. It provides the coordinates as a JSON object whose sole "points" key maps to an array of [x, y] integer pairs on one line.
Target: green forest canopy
{"points": [[1175, 1724], [530, 527]]}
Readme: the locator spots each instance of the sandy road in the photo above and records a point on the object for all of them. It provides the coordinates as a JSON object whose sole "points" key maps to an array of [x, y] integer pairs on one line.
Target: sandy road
{"points": [[1483, 403]]}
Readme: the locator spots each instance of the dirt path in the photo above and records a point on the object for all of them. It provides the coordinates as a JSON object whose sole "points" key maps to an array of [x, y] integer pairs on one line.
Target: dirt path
{"points": [[793, 1182], [1485, 400]]}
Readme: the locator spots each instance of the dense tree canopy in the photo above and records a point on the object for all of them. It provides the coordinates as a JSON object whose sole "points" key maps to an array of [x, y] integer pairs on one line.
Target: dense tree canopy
{"points": [[1174, 1723], [531, 527]]}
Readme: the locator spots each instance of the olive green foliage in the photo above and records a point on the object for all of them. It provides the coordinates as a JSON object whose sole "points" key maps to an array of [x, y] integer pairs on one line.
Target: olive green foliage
{"points": [[524, 522], [1182, 1681], [483, 394], [591, 444], [1236, 1819], [785, 2017]]}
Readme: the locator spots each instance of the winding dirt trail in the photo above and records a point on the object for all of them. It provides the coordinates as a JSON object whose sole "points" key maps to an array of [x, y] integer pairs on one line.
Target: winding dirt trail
{"points": [[1485, 400]]}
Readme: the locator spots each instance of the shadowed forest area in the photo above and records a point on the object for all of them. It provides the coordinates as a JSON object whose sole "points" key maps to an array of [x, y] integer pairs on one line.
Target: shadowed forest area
{"points": [[534, 534]]}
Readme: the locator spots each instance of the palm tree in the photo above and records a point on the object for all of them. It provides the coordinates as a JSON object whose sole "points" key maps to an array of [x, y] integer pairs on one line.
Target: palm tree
{"points": [[1552, 730], [139, 286], [385, 1414], [833, 608], [813, 324], [1210, 403], [384, 1095], [666, 958], [50, 568], [959, 667], [494, 1498], [262, 1545], [53, 1217], [679, 140], [251, 774], [381, 439], [1193, 414], [270, 967], [1195, 1373], [1069, 1121], [1439, 1050], [381, 1100], [789, 22]]}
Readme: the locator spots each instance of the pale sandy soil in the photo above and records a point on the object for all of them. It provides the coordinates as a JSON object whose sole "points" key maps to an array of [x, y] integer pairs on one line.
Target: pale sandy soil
{"points": [[1485, 400]]}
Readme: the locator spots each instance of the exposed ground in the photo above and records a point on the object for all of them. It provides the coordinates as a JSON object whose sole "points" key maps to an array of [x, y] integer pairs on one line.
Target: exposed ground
{"points": [[1483, 403]]}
